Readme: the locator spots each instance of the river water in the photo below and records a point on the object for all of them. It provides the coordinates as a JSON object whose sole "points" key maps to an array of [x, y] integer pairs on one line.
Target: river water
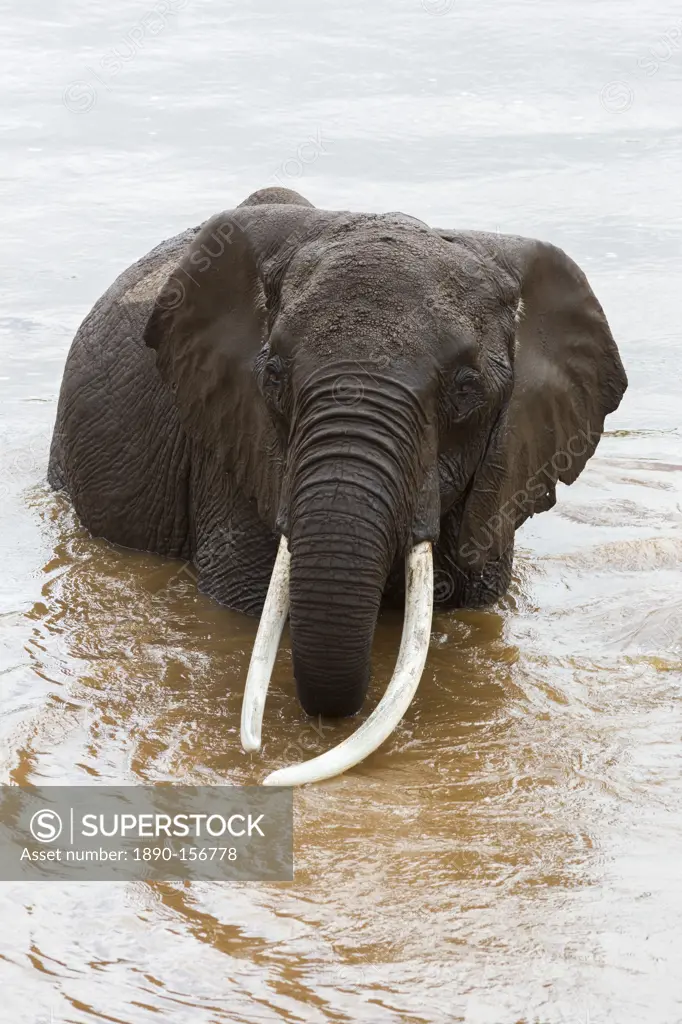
{"points": [[512, 855]]}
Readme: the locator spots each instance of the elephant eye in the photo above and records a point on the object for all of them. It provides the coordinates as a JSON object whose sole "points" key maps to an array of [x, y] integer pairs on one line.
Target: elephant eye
{"points": [[466, 393], [273, 380]]}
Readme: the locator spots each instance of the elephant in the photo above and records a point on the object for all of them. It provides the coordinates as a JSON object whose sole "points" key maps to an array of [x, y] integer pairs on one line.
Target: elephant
{"points": [[324, 410]]}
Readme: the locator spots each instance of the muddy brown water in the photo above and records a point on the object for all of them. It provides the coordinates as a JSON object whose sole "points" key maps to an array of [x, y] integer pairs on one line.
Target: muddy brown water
{"points": [[513, 853]]}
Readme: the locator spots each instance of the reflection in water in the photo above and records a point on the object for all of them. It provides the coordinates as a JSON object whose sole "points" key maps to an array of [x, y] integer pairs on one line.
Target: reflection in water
{"points": [[483, 835]]}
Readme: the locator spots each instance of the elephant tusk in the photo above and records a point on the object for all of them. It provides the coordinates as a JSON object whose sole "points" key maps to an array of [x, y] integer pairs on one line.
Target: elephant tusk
{"points": [[275, 611], [414, 646]]}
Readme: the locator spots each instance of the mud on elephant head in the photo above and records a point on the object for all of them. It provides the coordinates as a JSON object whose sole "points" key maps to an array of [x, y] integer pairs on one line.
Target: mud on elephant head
{"points": [[371, 383]]}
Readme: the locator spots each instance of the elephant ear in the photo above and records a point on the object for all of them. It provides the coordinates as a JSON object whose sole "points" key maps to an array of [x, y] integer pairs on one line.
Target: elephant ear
{"points": [[568, 377], [209, 327]]}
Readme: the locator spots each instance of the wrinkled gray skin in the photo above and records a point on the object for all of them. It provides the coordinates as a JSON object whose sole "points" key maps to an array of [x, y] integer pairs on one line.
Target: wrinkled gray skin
{"points": [[356, 382]]}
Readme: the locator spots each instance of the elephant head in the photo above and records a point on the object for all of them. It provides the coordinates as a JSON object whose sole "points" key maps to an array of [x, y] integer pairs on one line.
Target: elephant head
{"points": [[360, 376]]}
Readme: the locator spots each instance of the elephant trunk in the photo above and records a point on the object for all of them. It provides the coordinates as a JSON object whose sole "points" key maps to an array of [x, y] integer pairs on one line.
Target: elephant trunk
{"points": [[353, 491], [354, 503], [339, 564]]}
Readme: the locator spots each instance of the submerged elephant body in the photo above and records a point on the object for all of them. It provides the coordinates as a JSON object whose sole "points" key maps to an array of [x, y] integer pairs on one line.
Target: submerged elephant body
{"points": [[357, 384]]}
